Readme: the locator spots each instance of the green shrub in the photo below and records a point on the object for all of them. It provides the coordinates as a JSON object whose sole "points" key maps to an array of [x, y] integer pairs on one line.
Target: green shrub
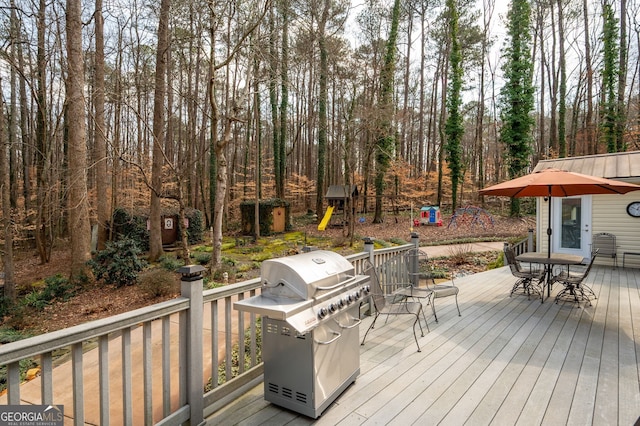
{"points": [[159, 282], [56, 287], [201, 258], [8, 335], [170, 263], [118, 263], [195, 232], [128, 226], [498, 263]]}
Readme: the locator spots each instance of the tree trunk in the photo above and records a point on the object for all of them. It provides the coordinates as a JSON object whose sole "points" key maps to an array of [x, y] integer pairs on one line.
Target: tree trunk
{"points": [[155, 211], [622, 79], [7, 216], [79, 227], [591, 140], [100, 138], [562, 107], [322, 110], [44, 239]]}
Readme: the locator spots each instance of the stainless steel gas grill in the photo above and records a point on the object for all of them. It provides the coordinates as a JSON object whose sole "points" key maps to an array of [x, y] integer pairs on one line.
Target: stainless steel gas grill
{"points": [[310, 308]]}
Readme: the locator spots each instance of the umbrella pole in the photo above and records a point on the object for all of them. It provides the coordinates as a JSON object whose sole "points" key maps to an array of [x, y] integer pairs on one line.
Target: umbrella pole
{"points": [[549, 232]]}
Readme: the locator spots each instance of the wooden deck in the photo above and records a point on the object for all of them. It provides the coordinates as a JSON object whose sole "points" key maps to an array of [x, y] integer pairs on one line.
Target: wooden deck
{"points": [[506, 360]]}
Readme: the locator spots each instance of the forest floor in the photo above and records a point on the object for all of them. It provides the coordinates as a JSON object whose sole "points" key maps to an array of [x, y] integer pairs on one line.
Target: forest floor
{"points": [[97, 300]]}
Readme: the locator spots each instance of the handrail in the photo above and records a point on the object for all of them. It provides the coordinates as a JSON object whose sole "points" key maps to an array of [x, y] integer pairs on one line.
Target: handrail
{"points": [[156, 320]]}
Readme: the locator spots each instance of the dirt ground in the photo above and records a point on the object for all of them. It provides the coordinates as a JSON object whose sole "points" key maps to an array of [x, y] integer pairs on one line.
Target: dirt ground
{"points": [[98, 300]]}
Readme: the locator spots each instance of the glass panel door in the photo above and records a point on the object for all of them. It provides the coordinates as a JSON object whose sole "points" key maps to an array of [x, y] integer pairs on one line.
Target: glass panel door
{"points": [[572, 223]]}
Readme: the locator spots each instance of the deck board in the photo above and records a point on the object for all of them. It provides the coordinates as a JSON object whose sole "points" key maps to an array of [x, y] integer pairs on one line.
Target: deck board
{"points": [[506, 360]]}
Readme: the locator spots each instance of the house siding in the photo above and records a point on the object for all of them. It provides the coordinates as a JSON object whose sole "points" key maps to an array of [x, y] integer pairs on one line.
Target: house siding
{"points": [[609, 214]]}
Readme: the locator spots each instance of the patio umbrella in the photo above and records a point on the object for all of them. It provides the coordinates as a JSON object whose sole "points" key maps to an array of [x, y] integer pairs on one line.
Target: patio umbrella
{"points": [[557, 183]]}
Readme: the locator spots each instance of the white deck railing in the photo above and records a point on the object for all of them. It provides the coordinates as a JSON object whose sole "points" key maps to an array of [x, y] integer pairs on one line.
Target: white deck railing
{"points": [[164, 356]]}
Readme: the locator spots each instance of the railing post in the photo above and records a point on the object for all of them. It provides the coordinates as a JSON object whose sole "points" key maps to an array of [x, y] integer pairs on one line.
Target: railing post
{"points": [[530, 240], [413, 265], [191, 288], [415, 239], [504, 250], [368, 248]]}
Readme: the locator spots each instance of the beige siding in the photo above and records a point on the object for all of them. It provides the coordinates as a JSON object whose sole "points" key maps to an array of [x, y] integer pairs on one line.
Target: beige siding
{"points": [[609, 214]]}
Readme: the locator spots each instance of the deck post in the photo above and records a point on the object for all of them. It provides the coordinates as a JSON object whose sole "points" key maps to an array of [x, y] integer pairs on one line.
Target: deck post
{"points": [[415, 239], [368, 248], [414, 260], [191, 288]]}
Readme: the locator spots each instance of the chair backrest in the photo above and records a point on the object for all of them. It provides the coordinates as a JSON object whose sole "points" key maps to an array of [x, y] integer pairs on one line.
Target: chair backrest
{"points": [[510, 257], [605, 243], [377, 295], [593, 257], [417, 263]]}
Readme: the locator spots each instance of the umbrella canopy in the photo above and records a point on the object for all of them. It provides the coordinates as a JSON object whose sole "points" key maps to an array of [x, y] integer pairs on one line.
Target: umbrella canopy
{"points": [[558, 183]]}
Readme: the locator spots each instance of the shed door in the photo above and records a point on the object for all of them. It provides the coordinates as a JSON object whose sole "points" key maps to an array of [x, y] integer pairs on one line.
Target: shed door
{"points": [[278, 219], [572, 225]]}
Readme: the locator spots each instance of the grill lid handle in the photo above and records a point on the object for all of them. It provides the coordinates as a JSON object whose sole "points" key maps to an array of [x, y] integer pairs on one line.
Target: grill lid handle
{"points": [[286, 284], [347, 281]]}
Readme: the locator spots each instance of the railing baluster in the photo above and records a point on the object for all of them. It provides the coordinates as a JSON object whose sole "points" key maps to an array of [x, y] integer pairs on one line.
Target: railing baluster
{"points": [[46, 378], [127, 394], [13, 383], [147, 371], [254, 348], [228, 340], [240, 338], [166, 365], [78, 387], [103, 373], [214, 344]]}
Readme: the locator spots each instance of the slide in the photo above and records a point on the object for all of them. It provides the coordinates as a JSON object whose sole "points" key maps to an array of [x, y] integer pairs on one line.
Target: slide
{"points": [[325, 219]]}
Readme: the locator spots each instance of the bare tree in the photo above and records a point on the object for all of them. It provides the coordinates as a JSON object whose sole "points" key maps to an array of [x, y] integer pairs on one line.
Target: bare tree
{"points": [[78, 203], [155, 210], [100, 137], [7, 216], [231, 117]]}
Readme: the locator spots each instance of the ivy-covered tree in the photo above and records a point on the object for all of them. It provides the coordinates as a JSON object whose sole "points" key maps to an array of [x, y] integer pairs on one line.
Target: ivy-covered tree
{"points": [[516, 96], [453, 127], [385, 138], [609, 77]]}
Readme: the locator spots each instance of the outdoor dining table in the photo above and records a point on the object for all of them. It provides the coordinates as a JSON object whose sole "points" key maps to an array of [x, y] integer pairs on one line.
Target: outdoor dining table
{"points": [[549, 260]]}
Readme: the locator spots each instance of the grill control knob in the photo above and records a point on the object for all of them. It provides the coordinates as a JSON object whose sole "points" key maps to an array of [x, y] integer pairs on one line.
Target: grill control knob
{"points": [[332, 307], [357, 294], [322, 313], [366, 289], [341, 303], [349, 299]]}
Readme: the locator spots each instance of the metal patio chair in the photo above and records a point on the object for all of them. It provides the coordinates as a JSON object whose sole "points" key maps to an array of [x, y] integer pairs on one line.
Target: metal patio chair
{"points": [[605, 243], [530, 279], [387, 301], [573, 283], [421, 270]]}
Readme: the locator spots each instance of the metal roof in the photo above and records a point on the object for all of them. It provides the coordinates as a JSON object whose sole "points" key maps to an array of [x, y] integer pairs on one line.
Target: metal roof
{"points": [[341, 191], [620, 165]]}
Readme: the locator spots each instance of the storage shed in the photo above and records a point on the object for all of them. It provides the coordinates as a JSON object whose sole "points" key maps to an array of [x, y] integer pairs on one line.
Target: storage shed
{"points": [[274, 216]]}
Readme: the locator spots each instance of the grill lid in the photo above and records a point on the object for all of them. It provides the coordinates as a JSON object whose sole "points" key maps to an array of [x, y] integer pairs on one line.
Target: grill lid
{"points": [[304, 275], [307, 289]]}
